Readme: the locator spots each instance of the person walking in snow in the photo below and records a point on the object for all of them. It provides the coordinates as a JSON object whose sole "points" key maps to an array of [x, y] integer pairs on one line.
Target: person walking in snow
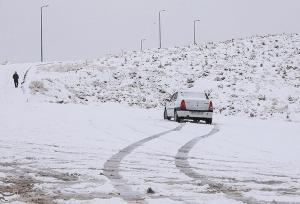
{"points": [[16, 79]]}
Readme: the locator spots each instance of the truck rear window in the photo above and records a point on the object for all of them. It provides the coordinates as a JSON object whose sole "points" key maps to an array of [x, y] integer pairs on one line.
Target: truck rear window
{"points": [[194, 95]]}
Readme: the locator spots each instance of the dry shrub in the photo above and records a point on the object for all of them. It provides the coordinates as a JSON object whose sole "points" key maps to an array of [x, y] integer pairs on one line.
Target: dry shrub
{"points": [[37, 86]]}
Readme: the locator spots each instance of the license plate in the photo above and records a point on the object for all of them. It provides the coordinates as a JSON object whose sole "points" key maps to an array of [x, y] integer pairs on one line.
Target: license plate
{"points": [[196, 113]]}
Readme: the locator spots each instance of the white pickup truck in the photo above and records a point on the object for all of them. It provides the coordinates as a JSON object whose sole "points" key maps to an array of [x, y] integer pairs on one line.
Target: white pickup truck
{"points": [[189, 105]]}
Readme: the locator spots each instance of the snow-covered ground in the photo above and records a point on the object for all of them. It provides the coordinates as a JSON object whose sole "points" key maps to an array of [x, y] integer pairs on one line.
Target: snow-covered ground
{"points": [[77, 149]]}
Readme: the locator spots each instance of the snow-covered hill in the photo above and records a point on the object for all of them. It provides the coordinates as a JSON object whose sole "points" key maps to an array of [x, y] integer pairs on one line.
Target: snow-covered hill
{"points": [[258, 77]]}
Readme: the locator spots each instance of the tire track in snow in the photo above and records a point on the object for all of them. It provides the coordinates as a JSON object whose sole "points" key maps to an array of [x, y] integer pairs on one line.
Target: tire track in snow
{"points": [[182, 163], [112, 169], [25, 76], [24, 79]]}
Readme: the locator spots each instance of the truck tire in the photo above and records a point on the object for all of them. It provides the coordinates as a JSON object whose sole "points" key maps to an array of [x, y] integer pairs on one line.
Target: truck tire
{"points": [[166, 117], [176, 118], [208, 121]]}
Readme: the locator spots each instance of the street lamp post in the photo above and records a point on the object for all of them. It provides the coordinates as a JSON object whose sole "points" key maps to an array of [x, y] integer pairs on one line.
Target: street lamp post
{"points": [[195, 31], [159, 22], [142, 40], [42, 57]]}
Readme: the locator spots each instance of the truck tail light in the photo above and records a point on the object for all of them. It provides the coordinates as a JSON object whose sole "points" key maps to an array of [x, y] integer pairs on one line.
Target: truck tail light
{"points": [[210, 106], [183, 105]]}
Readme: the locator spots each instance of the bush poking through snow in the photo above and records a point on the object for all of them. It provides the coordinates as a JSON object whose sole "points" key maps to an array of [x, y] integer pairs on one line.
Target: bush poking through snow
{"points": [[262, 97], [150, 191], [37, 87]]}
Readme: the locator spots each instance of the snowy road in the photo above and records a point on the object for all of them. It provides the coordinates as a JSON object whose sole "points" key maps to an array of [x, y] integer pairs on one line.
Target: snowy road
{"points": [[66, 153], [154, 165], [70, 159], [182, 162], [112, 168]]}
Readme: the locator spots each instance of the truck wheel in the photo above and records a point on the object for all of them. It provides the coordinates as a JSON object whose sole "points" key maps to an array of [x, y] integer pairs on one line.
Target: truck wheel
{"points": [[166, 115], [176, 118], [208, 121]]}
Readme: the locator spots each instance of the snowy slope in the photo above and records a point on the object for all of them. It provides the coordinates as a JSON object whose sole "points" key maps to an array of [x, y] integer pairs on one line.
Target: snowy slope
{"points": [[257, 76]]}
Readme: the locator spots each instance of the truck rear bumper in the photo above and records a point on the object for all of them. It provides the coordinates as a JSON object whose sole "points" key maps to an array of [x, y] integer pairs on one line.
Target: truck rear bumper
{"points": [[194, 114]]}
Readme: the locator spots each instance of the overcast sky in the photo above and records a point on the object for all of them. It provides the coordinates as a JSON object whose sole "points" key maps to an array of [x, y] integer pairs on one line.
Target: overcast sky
{"points": [[85, 29]]}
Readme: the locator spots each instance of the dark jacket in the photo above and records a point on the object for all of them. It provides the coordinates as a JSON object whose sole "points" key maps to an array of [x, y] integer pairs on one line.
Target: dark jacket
{"points": [[16, 77]]}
